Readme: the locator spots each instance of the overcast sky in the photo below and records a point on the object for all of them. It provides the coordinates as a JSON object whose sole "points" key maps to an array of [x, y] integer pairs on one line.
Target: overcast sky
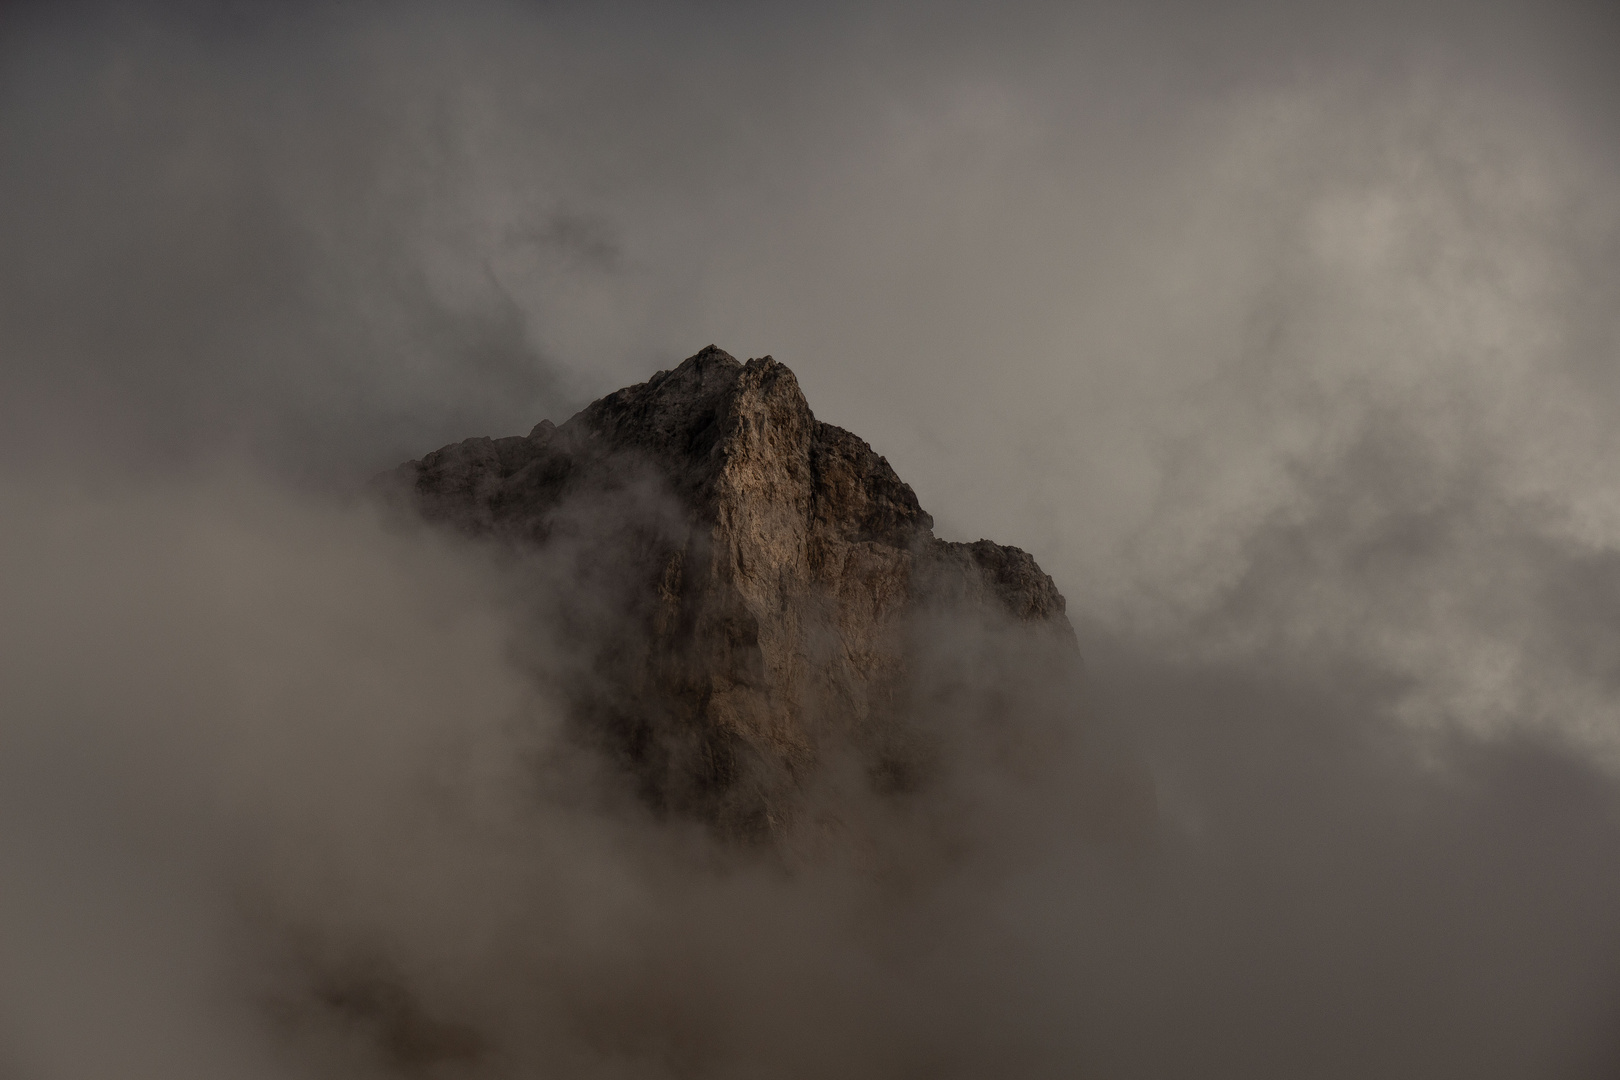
{"points": [[1284, 335]]}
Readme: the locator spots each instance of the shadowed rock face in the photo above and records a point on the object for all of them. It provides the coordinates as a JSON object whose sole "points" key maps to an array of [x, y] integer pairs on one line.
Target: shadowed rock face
{"points": [[755, 592]]}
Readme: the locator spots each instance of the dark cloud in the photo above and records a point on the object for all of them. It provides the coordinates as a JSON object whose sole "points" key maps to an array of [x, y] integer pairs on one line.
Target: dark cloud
{"points": [[1283, 335]]}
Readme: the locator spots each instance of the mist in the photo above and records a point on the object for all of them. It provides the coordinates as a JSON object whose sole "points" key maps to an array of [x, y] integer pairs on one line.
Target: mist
{"points": [[1284, 339]]}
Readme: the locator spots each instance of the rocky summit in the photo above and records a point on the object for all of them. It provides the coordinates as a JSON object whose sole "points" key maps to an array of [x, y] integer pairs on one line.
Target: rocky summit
{"points": [[754, 602]]}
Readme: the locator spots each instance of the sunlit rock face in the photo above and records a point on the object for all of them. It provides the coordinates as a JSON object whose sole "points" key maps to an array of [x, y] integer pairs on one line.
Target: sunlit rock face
{"points": [[755, 601]]}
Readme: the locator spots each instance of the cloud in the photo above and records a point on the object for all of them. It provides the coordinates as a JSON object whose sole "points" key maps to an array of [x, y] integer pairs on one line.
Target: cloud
{"points": [[1282, 338], [285, 800]]}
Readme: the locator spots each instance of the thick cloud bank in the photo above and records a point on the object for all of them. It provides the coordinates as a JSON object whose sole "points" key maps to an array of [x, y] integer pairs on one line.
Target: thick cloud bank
{"points": [[1285, 341]]}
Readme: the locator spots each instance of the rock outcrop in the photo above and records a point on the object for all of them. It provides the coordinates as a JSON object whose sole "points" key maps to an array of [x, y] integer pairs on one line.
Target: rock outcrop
{"points": [[754, 595]]}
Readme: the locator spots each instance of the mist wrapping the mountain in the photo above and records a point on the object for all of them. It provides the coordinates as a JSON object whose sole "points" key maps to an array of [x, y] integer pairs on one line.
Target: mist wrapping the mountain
{"points": [[1283, 340]]}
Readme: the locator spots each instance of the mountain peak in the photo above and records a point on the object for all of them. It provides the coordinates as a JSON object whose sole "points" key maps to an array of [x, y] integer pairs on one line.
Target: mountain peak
{"points": [[756, 580]]}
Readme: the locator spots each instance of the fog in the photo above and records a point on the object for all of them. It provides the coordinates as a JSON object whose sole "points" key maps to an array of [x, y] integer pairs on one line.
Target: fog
{"points": [[1284, 339]]}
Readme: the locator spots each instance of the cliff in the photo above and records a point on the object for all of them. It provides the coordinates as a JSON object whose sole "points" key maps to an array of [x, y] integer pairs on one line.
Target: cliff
{"points": [[753, 598]]}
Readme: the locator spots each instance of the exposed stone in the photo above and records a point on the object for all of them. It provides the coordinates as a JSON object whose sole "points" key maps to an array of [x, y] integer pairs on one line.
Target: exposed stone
{"points": [[747, 581]]}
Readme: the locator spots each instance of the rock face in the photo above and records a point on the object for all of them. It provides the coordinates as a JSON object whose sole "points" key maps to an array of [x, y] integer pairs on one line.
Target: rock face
{"points": [[756, 598]]}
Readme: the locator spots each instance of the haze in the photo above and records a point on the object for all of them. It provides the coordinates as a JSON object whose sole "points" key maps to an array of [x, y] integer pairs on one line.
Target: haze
{"points": [[1284, 337]]}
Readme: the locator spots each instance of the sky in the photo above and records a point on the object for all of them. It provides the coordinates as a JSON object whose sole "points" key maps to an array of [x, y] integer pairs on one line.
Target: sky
{"points": [[1283, 335]]}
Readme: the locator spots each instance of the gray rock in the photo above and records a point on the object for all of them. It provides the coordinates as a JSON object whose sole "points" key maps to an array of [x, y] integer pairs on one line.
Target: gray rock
{"points": [[757, 599]]}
